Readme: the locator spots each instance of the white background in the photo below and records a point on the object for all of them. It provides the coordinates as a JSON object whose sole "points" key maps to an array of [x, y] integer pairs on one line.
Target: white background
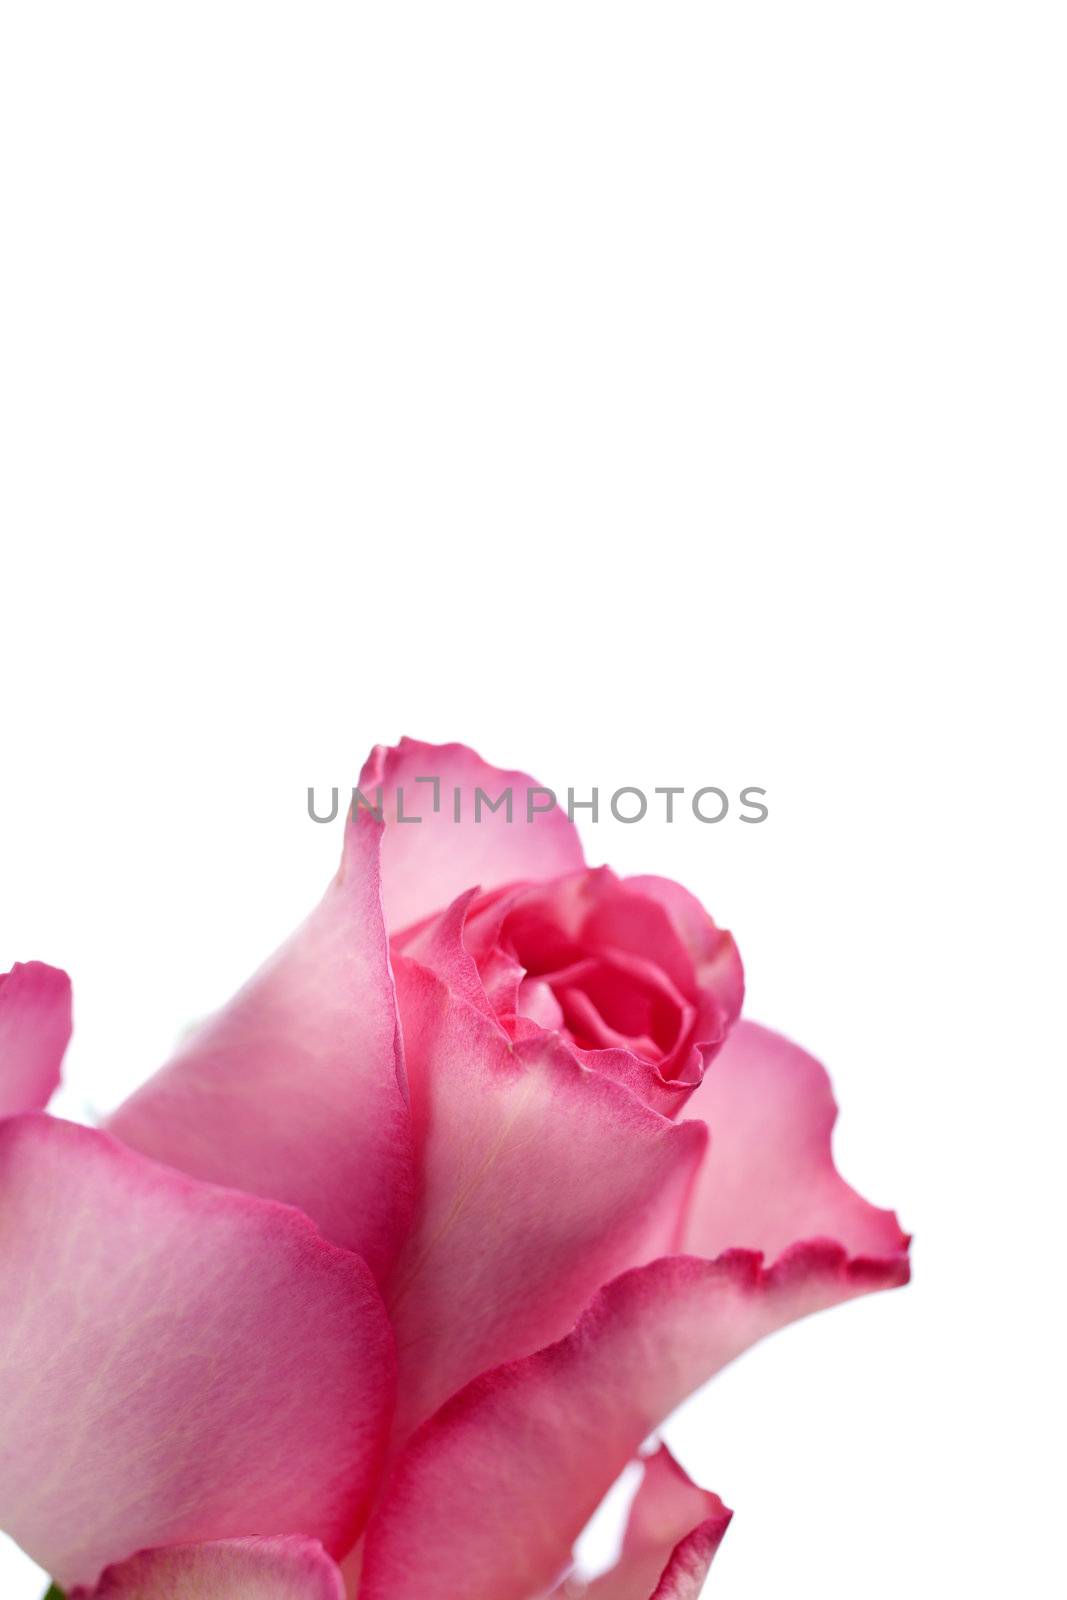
{"points": [[644, 394]]}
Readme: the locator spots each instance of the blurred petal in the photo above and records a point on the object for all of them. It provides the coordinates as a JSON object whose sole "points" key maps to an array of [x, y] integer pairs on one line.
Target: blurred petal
{"points": [[34, 1033], [540, 1180], [769, 1177], [235, 1569], [426, 864], [177, 1362], [295, 1089], [491, 1493], [673, 1532]]}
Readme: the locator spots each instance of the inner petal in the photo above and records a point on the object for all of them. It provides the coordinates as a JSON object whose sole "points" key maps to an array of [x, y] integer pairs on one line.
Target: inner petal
{"points": [[635, 997], [591, 1032], [615, 999], [537, 1001]]}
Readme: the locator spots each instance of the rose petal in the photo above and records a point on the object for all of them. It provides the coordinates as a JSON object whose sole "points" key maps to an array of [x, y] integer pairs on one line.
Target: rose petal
{"points": [[500, 973], [673, 1532], [34, 1033], [177, 1362], [585, 1020], [491, 1493], [536, 1003], [769, 1178], [540, 1180], [712, 950], [234, 1569], [440, 944], [295, 1089], [645, 1078], [426, 864]]}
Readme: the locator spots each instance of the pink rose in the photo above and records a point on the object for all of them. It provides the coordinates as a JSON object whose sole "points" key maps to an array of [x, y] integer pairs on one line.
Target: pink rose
{"points": [[376, 1287]]}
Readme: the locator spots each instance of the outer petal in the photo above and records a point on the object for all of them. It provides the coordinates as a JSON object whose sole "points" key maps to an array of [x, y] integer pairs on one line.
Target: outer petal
{"points": [[541, 1180], [491, 1493], [294, 1090], [672, 1535], [234, 1569], [769, 1178], [34, 1033], [426, 864], [177, 1362], [669, 1506]]}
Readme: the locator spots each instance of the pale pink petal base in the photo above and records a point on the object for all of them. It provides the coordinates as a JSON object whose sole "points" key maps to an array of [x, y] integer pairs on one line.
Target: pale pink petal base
{"points": [[672, 1535], [177, 1362], [236, 1569], [34, 1034]]}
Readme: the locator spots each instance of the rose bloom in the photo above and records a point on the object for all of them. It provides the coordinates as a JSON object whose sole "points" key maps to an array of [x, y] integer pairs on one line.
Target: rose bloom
{"points": [[378, 1285]]}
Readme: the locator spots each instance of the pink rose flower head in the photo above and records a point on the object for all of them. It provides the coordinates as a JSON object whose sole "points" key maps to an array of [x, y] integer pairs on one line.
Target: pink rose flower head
{"points": [[355, 1297]]}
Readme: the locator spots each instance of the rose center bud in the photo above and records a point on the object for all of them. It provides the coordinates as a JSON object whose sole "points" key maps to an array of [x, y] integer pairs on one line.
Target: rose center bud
{"points": [[602, 996]]}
